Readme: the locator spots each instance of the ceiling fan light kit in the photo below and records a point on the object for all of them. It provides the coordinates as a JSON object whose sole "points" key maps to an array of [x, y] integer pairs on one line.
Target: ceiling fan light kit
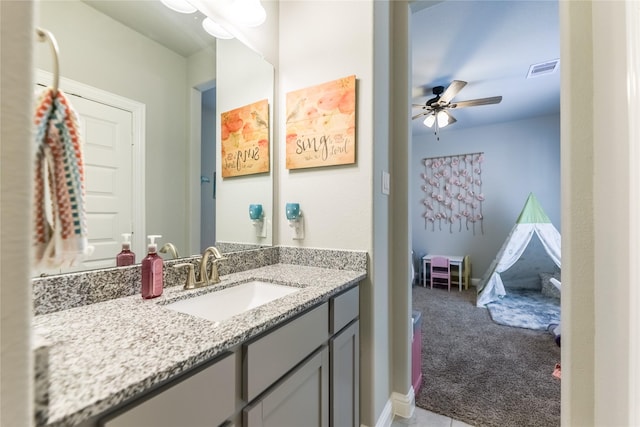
{"points": [[430, 120], [435, 109]]}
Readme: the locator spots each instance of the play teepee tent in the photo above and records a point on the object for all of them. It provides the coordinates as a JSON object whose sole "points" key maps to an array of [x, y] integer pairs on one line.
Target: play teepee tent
{"points": [[532, 220]]}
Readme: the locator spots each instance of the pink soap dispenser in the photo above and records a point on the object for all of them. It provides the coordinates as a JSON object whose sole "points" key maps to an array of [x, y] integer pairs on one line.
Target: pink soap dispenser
{"points": [[125, 257], [152, 271]]}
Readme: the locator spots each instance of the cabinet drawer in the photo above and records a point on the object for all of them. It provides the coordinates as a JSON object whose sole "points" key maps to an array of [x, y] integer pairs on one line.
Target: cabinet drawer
{"points": [[344, 308], [207, 398], [269, 357]]}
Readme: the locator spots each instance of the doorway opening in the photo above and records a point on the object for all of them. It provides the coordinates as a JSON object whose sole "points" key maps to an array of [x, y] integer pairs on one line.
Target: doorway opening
{"points": [[473, 37], [208, 169]]}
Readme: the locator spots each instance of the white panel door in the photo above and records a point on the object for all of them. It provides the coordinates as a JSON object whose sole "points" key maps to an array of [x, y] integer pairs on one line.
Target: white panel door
{"points": [[106, 134]]}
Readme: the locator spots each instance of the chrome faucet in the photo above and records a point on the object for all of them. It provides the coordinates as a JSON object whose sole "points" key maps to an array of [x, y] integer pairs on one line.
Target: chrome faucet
{"points": [[169, 247], [206, 278]]}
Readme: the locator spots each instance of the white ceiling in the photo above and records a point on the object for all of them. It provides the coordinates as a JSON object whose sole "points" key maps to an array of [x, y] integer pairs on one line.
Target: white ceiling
{"points": [[490, 45]]}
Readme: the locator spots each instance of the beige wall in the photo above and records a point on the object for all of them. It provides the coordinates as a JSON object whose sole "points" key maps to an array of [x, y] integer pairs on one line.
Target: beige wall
{"points": [[612, 217], [601, 370], [577, 196], [398, 251], [16, 361]]}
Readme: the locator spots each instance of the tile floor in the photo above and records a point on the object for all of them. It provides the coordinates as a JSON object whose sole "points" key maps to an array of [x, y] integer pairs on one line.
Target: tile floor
{"points": [[423, 418]]}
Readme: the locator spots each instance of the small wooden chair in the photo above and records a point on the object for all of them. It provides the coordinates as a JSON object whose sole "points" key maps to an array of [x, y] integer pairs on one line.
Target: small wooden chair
{"points": [[440, 272]]}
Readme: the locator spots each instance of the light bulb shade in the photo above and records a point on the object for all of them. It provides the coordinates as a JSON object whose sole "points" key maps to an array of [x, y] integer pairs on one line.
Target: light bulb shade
{"points": [[182, 6], [249, 13], [443, 118], [430, 120], [215, 29]]}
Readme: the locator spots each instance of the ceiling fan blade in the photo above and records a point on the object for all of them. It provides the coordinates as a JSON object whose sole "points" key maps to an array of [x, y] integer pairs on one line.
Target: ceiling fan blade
{"points": [[424, 113], [475, 102], [451, 91], [418, 105], [452, 119]]}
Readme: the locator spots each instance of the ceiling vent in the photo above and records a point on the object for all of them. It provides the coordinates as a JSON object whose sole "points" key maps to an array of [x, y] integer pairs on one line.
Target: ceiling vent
{"points": [[543, 68]]}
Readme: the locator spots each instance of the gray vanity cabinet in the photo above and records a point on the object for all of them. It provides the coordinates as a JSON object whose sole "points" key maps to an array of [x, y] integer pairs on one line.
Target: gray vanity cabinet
{"points": [[300, 399], [270, 356], [286, 374], [321, 391], [345, 378], [205, 398], [344, 346], [304, 372]]}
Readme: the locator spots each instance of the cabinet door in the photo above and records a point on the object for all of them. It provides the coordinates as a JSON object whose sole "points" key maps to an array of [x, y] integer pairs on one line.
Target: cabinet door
{"points": [[269, 357], [299, 399], [345, 377], [206, 398]]}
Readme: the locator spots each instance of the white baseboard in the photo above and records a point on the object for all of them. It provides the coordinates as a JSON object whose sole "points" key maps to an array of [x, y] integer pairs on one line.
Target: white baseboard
{"points": [[404, 404], [386, 417], [398, 404], [475, 282]]}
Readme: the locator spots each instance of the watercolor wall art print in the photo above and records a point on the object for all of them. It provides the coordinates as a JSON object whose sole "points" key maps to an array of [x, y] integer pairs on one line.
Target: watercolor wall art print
{"points": [[245, 140], [321, 125]]}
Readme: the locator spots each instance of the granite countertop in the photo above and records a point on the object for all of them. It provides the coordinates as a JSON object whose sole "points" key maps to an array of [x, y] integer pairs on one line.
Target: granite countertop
{"points": [[104, 353]]}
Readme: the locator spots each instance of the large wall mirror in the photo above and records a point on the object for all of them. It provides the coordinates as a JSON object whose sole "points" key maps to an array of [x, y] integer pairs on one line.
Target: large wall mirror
{"points": [[166, 64]]}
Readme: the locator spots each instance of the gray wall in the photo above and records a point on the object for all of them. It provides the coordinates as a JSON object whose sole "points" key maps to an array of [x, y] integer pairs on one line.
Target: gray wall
{"points": [[519, 157]]}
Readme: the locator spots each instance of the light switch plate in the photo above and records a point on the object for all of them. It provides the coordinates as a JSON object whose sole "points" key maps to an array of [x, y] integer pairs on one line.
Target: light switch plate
{"points": [[385, 182]]}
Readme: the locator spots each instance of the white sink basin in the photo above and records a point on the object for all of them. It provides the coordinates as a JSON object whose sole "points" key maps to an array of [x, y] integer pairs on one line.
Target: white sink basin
{"points": [[226, 303]]}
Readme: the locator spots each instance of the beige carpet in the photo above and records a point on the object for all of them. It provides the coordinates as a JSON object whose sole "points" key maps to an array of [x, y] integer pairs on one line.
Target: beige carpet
{"points": [[482, 373]]}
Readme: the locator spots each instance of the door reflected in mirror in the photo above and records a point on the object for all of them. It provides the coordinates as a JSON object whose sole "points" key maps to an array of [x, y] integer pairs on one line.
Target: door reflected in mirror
{"points": [[107, 45]]}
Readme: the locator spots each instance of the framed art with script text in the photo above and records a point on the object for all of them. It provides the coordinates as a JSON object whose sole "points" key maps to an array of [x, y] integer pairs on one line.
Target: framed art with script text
{"points": [[245, 140], [321, 125]]}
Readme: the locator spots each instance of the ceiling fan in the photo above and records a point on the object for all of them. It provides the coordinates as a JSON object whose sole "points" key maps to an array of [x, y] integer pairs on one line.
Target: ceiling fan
{"points": [[436, 108]]}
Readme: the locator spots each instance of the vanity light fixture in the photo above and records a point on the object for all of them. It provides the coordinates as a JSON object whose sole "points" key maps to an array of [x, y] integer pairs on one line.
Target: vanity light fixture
{"points": [[244, 13], [249, 13], [215, 29], [208, 24], [181, 6]]}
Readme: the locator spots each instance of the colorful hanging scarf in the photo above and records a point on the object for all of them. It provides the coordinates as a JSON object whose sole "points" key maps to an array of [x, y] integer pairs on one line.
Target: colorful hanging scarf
{"points": [[60, 236]]}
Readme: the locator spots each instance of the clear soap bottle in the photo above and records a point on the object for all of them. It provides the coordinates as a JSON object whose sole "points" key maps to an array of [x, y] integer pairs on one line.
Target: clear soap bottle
{"points": [[125, 257], [152, 270]]}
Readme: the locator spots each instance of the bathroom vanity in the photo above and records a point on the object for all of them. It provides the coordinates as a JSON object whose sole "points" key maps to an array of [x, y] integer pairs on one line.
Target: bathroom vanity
{"points": [[132, 362]]}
